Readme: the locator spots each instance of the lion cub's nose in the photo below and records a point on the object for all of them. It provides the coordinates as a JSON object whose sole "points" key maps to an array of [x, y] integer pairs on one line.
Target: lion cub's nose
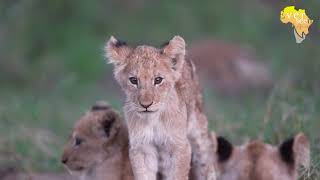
{"points": [[64, 160], [146, 105]]}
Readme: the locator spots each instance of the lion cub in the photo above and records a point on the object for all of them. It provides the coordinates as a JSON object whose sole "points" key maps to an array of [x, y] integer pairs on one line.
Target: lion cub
{"points": [[98, 146], [259, 161], [163, 110]]}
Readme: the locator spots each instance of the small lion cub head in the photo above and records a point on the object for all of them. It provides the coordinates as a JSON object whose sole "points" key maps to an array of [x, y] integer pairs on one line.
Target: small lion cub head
{"points": [[259, 161], [147, 74], [92, 135]]}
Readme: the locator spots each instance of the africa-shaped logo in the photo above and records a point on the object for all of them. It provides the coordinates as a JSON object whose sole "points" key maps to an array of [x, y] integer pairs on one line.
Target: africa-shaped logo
{"points": [[299, 20]]}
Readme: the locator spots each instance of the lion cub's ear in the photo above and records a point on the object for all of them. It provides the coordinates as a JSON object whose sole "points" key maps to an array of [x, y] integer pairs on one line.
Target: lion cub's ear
{"points": [[117, 51], [224, 150], [107, 121], [110, 123], [296, 150], [301, 148], [176, 50]]}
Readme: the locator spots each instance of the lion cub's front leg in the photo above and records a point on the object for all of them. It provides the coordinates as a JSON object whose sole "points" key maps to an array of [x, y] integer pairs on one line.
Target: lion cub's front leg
{"points": [[144, 162], [175, 162]]}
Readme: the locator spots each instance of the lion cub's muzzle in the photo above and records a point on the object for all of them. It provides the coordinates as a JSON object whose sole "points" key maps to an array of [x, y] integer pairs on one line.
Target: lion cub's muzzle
{"points": [[146, 101]]}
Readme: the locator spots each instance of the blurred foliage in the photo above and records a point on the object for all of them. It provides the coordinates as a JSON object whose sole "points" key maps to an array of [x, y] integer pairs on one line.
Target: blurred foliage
{"points": [[52, 65], [58, 38]]}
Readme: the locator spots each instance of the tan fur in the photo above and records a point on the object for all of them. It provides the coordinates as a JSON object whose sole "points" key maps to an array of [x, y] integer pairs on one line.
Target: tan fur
{"points": [[101, 155], [160, 139], [259, 161]]}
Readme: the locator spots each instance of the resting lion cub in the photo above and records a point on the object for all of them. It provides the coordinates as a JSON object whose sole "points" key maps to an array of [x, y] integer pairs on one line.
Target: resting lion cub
{"points": [[163, 110], [259, 161], [98, 146]]}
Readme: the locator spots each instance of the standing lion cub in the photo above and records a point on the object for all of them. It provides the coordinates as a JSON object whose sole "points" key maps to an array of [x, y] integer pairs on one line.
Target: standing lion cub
{"points": [[163, 111], [259, 161], [98, 146]]}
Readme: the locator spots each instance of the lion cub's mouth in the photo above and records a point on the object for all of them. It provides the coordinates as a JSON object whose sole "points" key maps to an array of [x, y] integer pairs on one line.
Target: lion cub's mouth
{"points": [[147, 111], [76, 169], [80, 168]]}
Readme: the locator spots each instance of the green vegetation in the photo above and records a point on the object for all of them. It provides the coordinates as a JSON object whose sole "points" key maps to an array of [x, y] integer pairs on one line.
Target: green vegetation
{"points": [[52, 68]]}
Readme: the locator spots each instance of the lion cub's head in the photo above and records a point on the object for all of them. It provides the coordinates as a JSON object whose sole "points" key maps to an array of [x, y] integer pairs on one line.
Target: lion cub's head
{"points": [[91, 137], [259, 161], [147, 74]]}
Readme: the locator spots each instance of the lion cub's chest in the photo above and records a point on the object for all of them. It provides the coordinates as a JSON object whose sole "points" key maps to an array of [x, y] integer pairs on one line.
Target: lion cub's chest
{"points": [[152, 129]]}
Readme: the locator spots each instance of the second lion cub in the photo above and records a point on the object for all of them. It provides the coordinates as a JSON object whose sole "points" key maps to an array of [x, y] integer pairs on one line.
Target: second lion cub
{"points": [[98, 146]]}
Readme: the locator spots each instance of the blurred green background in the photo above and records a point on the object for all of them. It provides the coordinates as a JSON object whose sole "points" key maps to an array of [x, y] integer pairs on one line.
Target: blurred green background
{"points": [[52, 68]]}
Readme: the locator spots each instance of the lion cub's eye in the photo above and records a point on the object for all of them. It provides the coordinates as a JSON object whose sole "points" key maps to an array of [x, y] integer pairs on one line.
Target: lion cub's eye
{"points": [[158, 80], [133, 80], [77, 141]]}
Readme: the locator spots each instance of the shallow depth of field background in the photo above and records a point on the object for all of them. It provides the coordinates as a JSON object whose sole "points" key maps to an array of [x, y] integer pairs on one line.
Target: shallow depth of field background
{"points": [[52, 69]]}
